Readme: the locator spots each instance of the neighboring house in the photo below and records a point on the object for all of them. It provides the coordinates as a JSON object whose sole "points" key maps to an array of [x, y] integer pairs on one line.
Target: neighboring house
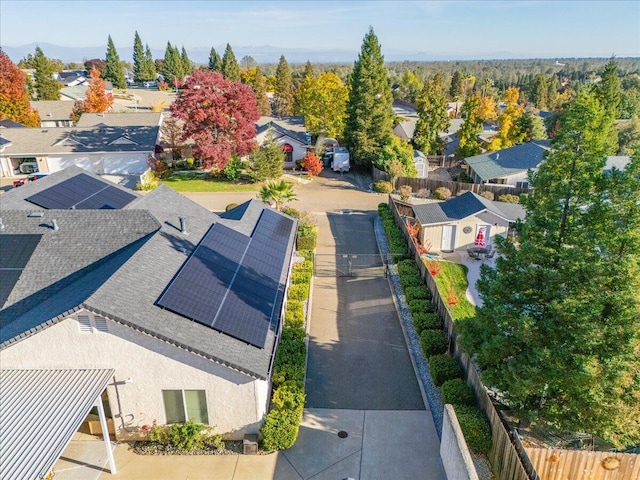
{"points": [[72, 78], [53, 113], [99, 149], [6, 123], [450, 139], [617, 162], [407, 118], [184, 306], [78, 92], [456, 223], [509, 166], [290, 132], [128, 119], [421, 162]]}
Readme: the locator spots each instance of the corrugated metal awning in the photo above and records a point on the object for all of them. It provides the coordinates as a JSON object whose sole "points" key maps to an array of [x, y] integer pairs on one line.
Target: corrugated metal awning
{"points": [[40, 410]]}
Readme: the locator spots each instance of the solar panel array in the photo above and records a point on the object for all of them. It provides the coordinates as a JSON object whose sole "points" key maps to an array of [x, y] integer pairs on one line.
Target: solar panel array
{"points": [[234, 283], [15, 252], [82, 192]]}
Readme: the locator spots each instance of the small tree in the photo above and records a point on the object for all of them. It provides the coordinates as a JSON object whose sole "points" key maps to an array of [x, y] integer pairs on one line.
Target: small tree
{"points": [[97, 100], [171, 131], [14, 102], [277, 193], [268, 161], [47, 88], [312, 164]]}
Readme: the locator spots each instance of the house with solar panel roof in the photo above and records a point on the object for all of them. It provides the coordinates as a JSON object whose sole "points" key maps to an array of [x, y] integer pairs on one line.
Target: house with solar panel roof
{"points": [[183, 306]]}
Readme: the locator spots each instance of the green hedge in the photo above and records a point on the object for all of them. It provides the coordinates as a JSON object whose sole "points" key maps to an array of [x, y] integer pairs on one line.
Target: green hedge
{"points": [[475, 427], [433, 342], [305, 266], [382, 186], [294, 314], [299, 292], [307, 254], [417, 293], [420, 306], [411, 281], [407, 267], [290, 357], [443, 368], [458, 392], [301, 276], [280, 429], [307, 242], [426, 321]]}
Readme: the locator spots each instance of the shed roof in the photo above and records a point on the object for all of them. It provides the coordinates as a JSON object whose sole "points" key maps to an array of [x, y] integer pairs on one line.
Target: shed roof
{"points": [[53, 109]]}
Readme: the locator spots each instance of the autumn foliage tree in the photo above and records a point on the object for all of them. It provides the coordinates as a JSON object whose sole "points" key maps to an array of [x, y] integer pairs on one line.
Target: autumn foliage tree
{"points": [[219, 117], [97, 99], [312, 164], [14, 100]]}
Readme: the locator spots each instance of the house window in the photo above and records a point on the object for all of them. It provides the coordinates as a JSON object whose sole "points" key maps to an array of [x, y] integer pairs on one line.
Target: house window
{"points": [[91, 323], [183, 405]]}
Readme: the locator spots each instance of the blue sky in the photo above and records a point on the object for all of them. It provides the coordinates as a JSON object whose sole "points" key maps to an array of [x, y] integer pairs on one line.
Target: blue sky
{"points": [[522, 28]]}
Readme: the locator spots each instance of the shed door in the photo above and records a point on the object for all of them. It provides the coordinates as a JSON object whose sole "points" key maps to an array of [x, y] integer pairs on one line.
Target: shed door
{"points": [[448, 238]]}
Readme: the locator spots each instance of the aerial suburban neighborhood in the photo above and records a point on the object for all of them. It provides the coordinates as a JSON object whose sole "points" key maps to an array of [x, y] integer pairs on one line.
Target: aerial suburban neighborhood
{"points": [[292, 263]]}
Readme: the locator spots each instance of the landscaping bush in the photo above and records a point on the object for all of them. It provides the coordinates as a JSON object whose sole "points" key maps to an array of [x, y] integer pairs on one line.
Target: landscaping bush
{"points": [[458, 392], [509, 198], [420, 306], [382, 186], [289, 364], [306, 266], [307, 254], [231, 206], [433, 342], [443, 368], [411, 281], [475, 427], [299, 291], [442, 193], [408, 267], [426, 321], [488, 195], [186, 436], [301, 276], [280, 429], [307, 242], [417, 293], [294, 314]]}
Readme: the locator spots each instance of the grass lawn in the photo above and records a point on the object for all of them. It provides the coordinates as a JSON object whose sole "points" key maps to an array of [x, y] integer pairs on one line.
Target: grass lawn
{"points": [[455, 275], [197, 182]]}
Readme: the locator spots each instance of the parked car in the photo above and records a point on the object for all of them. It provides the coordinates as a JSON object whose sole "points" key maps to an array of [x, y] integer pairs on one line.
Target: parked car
{"points": [[28, 167], [150, 84], [29, 178]]}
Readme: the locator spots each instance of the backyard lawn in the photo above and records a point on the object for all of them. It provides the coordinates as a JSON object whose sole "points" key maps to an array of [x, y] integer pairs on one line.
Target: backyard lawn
{"points": [[454, 276], [197, 182]]}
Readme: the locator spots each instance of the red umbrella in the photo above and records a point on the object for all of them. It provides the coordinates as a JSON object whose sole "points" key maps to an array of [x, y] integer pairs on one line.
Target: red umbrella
{"points": [[480, 240]]}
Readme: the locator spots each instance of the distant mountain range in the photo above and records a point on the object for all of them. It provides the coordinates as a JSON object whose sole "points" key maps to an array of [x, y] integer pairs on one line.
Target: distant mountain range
{"points": [[262, 54]]}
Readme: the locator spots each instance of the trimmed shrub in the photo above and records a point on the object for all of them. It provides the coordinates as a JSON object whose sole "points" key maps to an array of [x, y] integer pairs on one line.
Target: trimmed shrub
{"points": [[186, 436], [475, 427], [443, 368], [290, 357], [301, 276], [294, 314], [442, 193], [411, 281], [291, 211], [426, 321], [433, 342], [509, 198], [420, 306], [299, 291], [417, 293], [382, 186], [407, 267], [303, 266], [231, 206], [280, 429], [307, 242], [307, 254], [458, 392]]}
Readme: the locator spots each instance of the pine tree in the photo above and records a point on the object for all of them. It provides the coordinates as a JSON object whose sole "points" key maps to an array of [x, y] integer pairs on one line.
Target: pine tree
{"points": [[470, 128], [114, 71], [558, 331], [308, 70], [215, 63], [369, 109], [150, 72], [139, 59], [230, 67], [259, 86], [268, 161], [283, 94], [47, 88], [187, 65], [14, 101], [433, 117], [172, 70], [456, 88], [608, 91]]}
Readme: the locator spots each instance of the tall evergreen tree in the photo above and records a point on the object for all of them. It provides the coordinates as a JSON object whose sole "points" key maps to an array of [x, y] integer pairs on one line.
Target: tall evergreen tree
{"points": [[283, 94], [139, 59], [369, 109], [456, 88], [172, 70], [259, 86], [308, 70], [268, 161], [470, 128], [47, 88], [114, 71], [558, 332], [609, 93], [215, 62], [150, 72], [230, 67], [433, 117], [187, 64]]}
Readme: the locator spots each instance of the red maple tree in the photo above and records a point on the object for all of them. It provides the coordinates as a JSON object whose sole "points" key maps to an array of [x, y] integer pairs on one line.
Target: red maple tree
{"points": [[312, 164], [14, 100], [219, 117]]}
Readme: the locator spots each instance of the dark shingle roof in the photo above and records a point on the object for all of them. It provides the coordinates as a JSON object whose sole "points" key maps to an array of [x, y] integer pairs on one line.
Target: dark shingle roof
{"points": [[137, 252], [509, 161], [292, 127], [464, 206]]}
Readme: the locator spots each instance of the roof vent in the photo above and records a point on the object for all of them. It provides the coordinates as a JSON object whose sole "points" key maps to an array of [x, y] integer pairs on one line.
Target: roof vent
{"points": [[183, 226], [497, 156], [36, 214], [49, 115], [55, 225]]}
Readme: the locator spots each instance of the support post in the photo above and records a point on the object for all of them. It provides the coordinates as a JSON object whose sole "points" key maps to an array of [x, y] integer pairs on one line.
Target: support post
{"points": [[105, 436]]}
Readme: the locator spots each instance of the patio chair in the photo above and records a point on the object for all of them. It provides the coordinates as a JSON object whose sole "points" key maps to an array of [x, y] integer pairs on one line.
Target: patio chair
{"points": [[490, 253]]}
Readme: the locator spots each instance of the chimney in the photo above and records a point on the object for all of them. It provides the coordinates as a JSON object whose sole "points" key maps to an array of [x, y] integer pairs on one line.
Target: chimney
{"points": [[183, 225], [55, 225]]}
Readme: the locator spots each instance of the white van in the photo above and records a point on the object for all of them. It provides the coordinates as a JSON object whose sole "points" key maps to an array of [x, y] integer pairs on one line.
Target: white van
{"points": [[28, 167]]}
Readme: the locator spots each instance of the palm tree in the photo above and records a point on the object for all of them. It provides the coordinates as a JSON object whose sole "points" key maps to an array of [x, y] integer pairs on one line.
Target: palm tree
{"points": [[277, 192]]}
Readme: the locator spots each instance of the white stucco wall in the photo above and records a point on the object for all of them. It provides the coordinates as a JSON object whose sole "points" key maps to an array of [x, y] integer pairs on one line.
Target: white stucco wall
{"points": [[299, 150], [116, 163], [433, 234], [236, 403]]}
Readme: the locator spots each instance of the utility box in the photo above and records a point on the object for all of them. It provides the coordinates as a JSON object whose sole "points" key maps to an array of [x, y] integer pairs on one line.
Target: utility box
{"points": [[250, 444]]}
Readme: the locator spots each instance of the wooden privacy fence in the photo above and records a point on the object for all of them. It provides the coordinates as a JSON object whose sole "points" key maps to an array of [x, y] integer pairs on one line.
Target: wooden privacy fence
{"points": [[559, 464], [456, 188], [505, 460]]}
